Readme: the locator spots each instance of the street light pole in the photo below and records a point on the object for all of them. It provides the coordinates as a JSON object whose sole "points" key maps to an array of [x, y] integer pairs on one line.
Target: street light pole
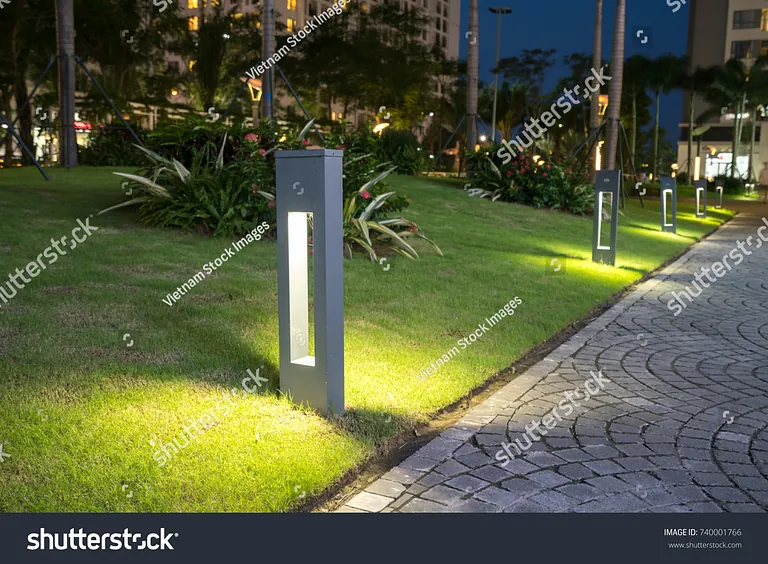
{"points": [[500, 10]]}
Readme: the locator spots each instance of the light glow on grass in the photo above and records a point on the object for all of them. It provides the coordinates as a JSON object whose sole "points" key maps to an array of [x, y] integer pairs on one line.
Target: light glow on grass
{"points": [[78, 408]]}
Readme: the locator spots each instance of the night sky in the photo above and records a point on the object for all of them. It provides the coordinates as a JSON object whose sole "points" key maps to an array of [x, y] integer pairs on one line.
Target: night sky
{"points": [[568, 27]]}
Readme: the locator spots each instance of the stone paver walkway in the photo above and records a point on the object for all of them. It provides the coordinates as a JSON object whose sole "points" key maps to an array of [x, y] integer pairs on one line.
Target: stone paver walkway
{"points": [[682, 426]]}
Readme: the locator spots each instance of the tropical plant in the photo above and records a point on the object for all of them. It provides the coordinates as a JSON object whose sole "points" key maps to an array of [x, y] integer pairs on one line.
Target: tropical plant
{"points": [[531, 182]]}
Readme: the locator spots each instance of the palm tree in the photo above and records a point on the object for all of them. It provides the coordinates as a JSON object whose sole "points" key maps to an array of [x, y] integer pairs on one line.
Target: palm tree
{"points": [[472, 74], [739, 89], [617, 74], [597, 61], [695, 82], [635, 81], [666, 73]]}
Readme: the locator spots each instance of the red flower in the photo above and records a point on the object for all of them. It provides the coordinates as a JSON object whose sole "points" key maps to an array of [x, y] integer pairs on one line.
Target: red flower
{"points": [[262, 152], [251, 137], [509, 173], [306, 142], [340, 147], [365, 194], [311, 252], [548, 167], [545, 174]]}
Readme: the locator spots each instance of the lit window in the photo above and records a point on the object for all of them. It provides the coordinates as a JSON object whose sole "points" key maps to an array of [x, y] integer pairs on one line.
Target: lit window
{"points": [[191, 4], [291, 24], [764, 21], [193, 23], [333, 116], [292, 5]]}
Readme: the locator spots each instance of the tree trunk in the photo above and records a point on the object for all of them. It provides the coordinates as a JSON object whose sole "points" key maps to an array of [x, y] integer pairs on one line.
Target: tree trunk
{"points": [[617, 77], [691, 115], [750, 175], [634, 128], [656, 138], [736, 135], [268, 50], [19, 55], [597, 62], [65, 31], [472, 75]]}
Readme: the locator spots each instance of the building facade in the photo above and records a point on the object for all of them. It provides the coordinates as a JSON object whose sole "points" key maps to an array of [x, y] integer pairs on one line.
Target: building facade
{"points": [[719, 30]]}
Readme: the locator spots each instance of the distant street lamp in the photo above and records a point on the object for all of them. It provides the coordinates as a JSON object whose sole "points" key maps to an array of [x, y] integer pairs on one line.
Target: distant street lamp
{"points": [[500, 10]]}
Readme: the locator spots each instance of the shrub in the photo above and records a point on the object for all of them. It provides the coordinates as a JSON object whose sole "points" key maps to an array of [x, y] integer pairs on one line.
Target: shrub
{"points": [[402, 149], [539, 184], [227, 188], [112, 146]]}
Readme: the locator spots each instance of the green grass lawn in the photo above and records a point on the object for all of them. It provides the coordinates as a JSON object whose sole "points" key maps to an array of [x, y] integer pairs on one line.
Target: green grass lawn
{"points": [[81, 413]]}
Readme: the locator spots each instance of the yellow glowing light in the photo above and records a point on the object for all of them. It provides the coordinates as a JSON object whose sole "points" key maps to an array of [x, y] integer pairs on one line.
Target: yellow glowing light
{"points": [[536, 158], [674, 166], [379, 127], [598, 156], [174, 92]]}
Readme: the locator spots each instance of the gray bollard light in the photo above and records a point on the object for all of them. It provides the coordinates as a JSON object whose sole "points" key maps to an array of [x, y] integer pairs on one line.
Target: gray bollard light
{"points": [[701, 198], [719, 190], [668, 204], [607, 184], [310, 182]]}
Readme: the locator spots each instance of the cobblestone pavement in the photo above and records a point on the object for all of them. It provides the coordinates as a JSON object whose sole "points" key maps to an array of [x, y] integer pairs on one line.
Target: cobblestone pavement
{"points": [[681, 427]]}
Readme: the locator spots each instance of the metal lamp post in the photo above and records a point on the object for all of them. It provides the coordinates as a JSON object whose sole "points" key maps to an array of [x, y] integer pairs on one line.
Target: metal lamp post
{"points": [[500, 10]]}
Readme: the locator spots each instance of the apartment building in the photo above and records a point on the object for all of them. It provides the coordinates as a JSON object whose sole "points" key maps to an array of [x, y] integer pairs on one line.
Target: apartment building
{"points": [[445, 16], [719, 30]]}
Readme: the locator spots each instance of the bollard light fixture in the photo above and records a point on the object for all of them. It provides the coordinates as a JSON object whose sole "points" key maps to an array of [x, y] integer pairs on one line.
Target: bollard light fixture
{"points": [[701, 198], [719, 190], [309, 192], [668, 204], [606, 192]]}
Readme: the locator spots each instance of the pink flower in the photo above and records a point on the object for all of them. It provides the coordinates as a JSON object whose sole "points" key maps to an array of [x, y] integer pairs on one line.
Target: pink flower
{"points": [[365, 194], [548, 167], [306, 142], [251, 137], [262, 152], [509, 173], [311, 252], [545, 174]]}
